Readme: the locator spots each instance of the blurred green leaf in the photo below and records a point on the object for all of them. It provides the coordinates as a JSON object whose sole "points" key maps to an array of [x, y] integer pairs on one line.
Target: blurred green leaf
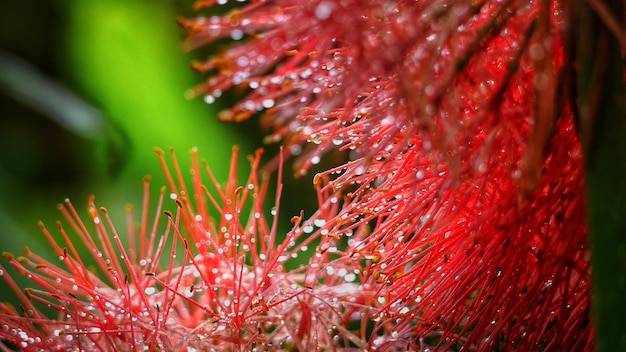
{"points": [[602, 90], [25, 83], [126, 55]]}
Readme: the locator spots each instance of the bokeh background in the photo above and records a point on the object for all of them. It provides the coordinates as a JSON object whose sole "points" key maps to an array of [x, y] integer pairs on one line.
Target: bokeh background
{"points": [[87, 90]]}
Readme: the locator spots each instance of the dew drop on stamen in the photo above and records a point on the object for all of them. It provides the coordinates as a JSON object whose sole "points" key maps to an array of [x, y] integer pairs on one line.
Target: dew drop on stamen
{"points": [[268, 103], [237, 34], [316, 139], [350, 277], [295, 149], [209, 99]]}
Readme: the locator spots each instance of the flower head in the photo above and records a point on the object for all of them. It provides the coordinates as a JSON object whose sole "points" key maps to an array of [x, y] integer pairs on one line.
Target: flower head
{"points": [[376, 76], [206, 276], [457, 222], [465, 175]]}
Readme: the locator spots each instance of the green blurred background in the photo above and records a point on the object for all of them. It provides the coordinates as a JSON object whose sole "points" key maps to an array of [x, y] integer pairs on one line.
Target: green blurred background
{"points": [[87, 90]]}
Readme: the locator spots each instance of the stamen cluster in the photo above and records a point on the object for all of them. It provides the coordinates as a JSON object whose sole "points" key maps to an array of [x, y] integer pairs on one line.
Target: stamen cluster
{"points": [[457, 221], [464, 179]]}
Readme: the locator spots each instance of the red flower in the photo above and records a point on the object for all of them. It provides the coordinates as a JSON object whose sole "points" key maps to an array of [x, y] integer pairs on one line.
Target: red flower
{"points": [[457, 223], [464, 183], [204, 277]]}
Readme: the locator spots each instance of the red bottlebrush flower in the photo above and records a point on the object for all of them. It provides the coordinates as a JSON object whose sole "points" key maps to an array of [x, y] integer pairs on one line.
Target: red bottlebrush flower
{"points": [[204, 277], [465, 179]]}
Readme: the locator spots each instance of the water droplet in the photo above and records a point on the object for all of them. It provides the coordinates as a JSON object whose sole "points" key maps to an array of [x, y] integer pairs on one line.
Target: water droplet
{"points": [[388, 120], [295, 149], [323, 10], [268, 103], [236, 34], [316, 139], [209, 99]]}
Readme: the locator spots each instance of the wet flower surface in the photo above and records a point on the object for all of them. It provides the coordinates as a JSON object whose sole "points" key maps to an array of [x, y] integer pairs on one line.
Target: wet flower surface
{"points": [[206, 277], [457, 223], [464, 170]]}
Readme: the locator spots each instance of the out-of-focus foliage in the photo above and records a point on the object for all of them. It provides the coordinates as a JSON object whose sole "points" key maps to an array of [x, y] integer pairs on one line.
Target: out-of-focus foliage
{"points": [[87, 89]]}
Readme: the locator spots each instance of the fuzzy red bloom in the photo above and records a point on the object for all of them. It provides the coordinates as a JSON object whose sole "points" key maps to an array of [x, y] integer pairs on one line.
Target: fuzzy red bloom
{"points": [[464, 185], [205, 277]]}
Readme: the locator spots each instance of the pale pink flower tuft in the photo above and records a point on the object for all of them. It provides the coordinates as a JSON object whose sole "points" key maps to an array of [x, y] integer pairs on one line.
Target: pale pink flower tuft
{"points": [[206, 276]]}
